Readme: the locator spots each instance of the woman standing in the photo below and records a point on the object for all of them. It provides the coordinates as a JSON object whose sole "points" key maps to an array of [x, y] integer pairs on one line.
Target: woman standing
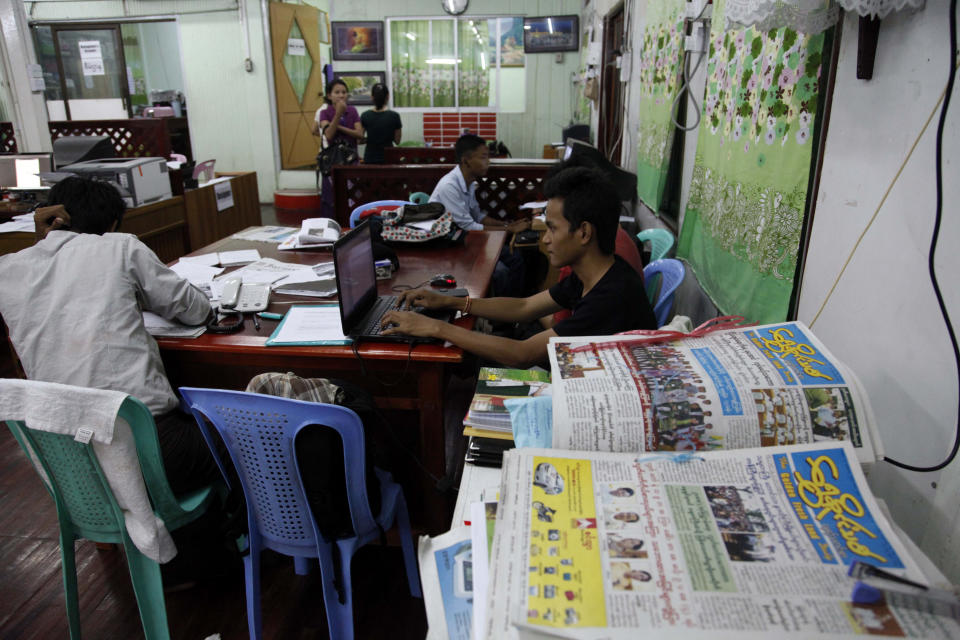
{"points": [[338, 123], [381, 125]]}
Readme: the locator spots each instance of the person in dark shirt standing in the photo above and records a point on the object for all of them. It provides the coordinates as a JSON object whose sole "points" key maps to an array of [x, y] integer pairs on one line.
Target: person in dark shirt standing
{"points": [[604, 292], [382, 126]]}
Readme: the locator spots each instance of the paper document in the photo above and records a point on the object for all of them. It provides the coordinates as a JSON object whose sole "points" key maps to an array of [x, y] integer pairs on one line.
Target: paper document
{"points": [[273, 234], [310, 325], [199, 275], [15, 226], [224, 258]]}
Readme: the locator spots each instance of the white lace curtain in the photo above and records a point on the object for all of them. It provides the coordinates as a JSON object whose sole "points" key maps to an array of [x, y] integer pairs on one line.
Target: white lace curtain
{"points": [[805, 16]]}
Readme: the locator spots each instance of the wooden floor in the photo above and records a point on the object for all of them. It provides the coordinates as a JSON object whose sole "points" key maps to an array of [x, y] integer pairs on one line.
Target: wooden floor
{"points": [[31, 587]]}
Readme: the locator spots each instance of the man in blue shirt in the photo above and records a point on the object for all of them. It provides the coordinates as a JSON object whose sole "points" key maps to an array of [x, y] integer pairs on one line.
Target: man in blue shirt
{"points": [[457, 192]]}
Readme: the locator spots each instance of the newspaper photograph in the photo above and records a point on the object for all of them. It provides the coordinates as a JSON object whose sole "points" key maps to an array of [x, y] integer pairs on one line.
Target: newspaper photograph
{"points": [[749, 543], [446, 575], [760, 386]]}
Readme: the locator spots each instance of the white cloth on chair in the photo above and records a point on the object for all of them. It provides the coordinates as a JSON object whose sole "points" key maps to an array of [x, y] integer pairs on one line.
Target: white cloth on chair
{"points": [[58, 408]]}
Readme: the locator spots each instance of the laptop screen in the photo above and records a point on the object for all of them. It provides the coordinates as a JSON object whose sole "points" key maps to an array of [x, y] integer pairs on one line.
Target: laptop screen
{"points": [[356, 278]]}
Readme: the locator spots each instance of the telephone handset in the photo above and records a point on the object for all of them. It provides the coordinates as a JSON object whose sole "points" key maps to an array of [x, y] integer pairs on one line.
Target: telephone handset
{"points": [[249, 297]]}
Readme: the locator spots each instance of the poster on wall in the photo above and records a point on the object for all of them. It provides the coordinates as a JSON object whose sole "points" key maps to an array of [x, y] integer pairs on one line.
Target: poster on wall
{"points": [[743, 221], [661, 65]]}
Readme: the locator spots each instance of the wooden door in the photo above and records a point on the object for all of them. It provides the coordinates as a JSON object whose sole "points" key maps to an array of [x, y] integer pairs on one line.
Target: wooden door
{"points": [[298, 80], [611, 89]]}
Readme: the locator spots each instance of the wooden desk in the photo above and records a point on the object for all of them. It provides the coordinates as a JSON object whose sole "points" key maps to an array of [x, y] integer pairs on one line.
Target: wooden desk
{"points": [[161, 226], [399, 377], [206, 225]]}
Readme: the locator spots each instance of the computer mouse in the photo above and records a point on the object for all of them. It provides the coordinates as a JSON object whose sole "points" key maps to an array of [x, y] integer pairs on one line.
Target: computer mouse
{"points": [[444, 280]]}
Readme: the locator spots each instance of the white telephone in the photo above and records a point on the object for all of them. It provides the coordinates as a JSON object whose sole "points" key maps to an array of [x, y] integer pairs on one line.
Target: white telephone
{"points": [[244, 298]]}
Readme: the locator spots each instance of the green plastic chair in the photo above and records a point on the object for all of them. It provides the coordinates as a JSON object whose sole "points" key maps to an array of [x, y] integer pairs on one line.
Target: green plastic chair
{"points": [[661, 241], [86, 508], [419, 197]]}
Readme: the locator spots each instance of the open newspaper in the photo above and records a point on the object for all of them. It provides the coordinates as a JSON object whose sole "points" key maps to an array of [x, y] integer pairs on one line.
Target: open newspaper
{"points": [[748, 387], [753, 543]]}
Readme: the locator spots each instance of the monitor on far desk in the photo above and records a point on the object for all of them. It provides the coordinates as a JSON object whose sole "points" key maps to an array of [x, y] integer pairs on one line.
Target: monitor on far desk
{"points": [[22, 170]]}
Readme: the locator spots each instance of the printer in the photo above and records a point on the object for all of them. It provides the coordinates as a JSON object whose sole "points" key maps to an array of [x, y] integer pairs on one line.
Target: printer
{"points": [[139, 180]]}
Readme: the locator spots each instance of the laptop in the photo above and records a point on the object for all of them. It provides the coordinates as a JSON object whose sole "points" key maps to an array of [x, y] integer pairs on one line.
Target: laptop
{"points": [[360, 307]]}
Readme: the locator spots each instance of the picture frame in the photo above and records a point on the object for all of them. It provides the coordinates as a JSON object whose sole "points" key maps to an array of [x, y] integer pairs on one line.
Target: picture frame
{"points": [[324, 21], [550, 34], [357, 40], [359, 85]]}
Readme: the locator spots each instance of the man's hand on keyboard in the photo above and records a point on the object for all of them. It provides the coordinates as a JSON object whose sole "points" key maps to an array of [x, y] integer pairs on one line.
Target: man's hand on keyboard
{"points": [[426, 298], [409, 323]]}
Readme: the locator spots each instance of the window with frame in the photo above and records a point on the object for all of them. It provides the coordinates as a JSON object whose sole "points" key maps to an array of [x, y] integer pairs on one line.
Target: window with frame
{"points": [[449, 63]]}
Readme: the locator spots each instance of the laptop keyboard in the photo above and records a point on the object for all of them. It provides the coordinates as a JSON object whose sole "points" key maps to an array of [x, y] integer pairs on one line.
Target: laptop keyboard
{"points": [[380, 307]]}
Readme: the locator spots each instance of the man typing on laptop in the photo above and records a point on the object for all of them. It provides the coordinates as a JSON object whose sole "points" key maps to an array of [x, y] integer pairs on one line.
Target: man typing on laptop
{"points": [[604, 293]]}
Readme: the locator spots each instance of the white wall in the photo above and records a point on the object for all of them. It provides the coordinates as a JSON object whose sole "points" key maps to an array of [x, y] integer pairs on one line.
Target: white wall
{"points": [[882, 319]]}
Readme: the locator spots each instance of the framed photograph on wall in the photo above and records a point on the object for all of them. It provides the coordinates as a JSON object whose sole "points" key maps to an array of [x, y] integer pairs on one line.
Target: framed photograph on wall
{"points": [[324, 27], [360, 83], [358, 40], [551, 33]]}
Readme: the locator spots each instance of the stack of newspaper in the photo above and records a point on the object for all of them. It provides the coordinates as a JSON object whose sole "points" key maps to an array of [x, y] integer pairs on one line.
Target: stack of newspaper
{"points": [[753, 543], [488, 410], [749, 387]]}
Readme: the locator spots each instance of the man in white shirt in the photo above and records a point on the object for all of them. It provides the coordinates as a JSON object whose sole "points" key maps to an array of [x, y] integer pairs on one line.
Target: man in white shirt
{"points": [[457, 191], [72, 304]]}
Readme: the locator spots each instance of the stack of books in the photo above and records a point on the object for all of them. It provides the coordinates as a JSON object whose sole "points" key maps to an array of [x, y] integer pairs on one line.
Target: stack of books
{"points": [[487, 422]]}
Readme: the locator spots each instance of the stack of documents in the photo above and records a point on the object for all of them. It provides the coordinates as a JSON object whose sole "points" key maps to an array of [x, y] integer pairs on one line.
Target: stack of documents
{"points": [[310, 325], [161, 327]]}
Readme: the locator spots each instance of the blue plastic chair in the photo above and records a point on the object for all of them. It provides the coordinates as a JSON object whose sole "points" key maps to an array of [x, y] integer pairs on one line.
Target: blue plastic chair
{"points": [[355, 214], [86, 507], [661, 241], [419, 197], [669, 273], [259, 432]]}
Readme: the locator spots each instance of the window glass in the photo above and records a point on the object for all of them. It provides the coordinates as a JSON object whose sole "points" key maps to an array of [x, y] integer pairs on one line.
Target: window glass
{"points": [[463, 62]]}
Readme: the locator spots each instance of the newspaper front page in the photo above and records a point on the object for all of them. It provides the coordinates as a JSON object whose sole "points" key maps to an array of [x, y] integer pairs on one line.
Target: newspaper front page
{"points": [[753, 387], [752, 543]]}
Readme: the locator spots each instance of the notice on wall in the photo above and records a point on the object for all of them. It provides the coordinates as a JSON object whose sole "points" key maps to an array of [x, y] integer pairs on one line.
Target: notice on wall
{"points": [[224, 193], [91, 58], [35, 72], [296, 47]]}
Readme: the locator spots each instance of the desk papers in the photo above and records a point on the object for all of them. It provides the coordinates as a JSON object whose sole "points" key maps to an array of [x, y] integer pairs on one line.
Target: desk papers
{"points": [[19, 224], [272, 234], [224, 258], [745, 544], [314, 232], [310, 325], [744, 387], [158, 326]]}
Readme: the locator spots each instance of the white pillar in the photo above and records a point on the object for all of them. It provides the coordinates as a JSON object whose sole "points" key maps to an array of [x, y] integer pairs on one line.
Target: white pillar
{"points": [[28, 108]]}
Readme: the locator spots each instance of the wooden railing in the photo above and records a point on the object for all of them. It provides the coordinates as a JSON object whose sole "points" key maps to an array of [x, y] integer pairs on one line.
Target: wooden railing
{"points": [[502, 190], [419, 155], [8, 139], [133, 138]]}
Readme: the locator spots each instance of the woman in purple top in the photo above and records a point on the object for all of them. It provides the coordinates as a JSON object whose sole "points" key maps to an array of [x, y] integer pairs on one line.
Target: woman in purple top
{"points": [[337, 122]]}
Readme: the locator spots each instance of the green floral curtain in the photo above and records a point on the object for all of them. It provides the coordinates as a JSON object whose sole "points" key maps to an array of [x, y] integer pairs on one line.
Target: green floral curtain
{"points": [[661, 60], [443, 72], [410, 75], [474, 68], [741, 230]]}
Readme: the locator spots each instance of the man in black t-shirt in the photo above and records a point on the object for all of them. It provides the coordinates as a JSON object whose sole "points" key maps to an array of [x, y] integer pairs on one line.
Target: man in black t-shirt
{"points": [[604, 293]]}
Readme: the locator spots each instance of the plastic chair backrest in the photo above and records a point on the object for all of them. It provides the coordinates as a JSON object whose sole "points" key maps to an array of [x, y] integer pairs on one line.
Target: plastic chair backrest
{"points": [[419, 197], [661, 241], [75, 481], [355, 214], [259, 433], [671, 273]]}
